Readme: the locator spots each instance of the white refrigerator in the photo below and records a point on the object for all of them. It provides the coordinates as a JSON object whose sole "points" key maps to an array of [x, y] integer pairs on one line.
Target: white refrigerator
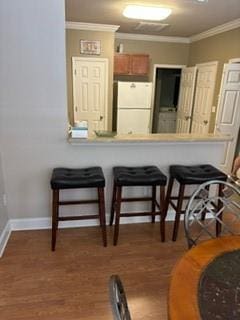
{"points": [[133, 107]]}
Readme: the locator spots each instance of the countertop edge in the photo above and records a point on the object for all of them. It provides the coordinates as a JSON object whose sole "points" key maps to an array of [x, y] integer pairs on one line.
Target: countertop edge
{"points": [[154, 138]]}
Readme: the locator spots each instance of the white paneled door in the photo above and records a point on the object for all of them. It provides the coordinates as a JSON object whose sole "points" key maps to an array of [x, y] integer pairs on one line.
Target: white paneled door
{"points": [[203, 97], [90, 91], [228, 112], [186, 95]]}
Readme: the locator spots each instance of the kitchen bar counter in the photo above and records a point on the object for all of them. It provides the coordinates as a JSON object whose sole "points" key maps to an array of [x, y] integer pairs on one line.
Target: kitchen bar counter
{"points": [[152, 138], [161, 150]]}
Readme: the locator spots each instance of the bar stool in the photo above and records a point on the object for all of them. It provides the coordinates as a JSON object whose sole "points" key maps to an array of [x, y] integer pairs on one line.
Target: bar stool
{"points": [[132, 177], [64, 178], [189, 175]]}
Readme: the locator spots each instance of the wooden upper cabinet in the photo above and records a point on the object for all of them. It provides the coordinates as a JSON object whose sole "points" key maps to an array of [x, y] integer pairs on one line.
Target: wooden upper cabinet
{"points": [[131, 64], [121, 63], [139, 64]]}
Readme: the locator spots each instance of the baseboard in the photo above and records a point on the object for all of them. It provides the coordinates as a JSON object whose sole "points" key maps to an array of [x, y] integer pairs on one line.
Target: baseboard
{"points": [[45, 223], [4, 237]]}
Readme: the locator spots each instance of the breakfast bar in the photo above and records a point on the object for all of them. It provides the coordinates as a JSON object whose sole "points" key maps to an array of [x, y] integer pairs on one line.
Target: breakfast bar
{"points": [[161, 150], [152, 138]]}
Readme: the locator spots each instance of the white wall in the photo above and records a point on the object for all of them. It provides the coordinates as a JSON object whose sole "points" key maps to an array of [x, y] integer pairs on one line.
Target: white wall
{"points": [[33, 113], [3, 209]]}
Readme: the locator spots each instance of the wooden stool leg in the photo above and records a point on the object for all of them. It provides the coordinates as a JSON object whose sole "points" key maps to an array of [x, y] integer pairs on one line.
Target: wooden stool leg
{"points": [[165, 207], [162, 213], [113, 205], [178, 212], [168, 195], [55, 201], [153, 203], [219, 206], [118, 209], [102, 218]]}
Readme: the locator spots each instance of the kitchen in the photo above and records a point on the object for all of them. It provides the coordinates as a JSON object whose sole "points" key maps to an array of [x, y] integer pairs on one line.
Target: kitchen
{"points": [[161, 53]]}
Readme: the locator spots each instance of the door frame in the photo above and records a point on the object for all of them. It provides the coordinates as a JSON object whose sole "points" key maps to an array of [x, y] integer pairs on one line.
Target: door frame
{"points": [[234, 60], [155, 67], [106, 61]]}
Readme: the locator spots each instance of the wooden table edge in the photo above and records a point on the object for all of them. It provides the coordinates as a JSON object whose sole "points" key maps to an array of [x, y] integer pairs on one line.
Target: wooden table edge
{"points": [[182, 296]]}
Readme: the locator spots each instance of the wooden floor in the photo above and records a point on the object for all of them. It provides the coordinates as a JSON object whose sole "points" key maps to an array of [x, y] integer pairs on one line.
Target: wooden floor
{"points": [[72, 283]]}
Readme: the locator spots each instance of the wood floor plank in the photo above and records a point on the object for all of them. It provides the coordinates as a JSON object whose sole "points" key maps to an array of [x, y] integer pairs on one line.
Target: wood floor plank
{"points": [[72, 282]]}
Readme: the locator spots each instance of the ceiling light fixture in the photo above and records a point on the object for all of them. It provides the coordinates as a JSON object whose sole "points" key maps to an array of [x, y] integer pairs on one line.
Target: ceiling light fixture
{"points": [[146, 12]]}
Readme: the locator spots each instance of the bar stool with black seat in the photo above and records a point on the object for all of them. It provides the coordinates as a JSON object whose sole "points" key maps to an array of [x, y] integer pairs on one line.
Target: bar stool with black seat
{"points": [[133, 177], [189, 175], [65, 178]]}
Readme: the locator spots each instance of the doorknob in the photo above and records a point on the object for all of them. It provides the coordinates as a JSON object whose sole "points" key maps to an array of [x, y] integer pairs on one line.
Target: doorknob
{"points": [[101, 118], [205, 122], [187, 117]]}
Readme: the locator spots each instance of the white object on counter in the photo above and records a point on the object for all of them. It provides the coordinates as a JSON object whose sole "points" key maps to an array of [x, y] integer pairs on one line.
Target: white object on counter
{"points": [[80, 130]]}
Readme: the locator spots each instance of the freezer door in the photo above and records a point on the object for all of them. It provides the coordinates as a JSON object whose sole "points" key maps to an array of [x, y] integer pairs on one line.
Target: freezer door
{"points": [[134, 95], [130, 121]]}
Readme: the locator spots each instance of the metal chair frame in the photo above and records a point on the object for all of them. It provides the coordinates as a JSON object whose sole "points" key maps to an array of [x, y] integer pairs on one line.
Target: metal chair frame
{"points": [[118, 299], [201, 203]]}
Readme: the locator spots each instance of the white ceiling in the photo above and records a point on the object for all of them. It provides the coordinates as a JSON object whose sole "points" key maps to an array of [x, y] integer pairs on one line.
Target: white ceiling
{"points": [[189, 17]]}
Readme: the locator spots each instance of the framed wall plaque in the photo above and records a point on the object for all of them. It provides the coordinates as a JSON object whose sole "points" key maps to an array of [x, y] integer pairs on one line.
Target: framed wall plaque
{"points": [[90, 47]]}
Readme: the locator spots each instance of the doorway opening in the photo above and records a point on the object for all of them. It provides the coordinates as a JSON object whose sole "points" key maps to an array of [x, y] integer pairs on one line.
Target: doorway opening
{"points": [[165, 98]]}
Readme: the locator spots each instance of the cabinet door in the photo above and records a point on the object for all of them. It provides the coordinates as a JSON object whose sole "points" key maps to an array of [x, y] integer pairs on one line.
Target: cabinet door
{"points": [[139, 64], [121, 63]]}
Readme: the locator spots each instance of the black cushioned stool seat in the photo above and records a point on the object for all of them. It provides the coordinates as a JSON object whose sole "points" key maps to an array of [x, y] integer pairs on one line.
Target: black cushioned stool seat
{"points": [[133, 177], [65, 178], [139, 176], [196, 174], [189, 175]]}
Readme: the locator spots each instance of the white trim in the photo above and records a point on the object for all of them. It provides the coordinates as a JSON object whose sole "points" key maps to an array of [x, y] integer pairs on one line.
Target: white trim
{"points": [[234, 60], [205, 64], [91, 26], [46, 223], [30, 224], [4, 237], [169, 66], [145, 37], [216, 30]]}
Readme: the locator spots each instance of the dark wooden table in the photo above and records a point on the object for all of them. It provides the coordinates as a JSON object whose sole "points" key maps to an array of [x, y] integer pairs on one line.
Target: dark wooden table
{"points": [[186, 295]]}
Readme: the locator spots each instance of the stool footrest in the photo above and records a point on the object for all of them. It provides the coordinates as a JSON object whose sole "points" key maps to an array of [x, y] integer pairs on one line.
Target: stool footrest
{"points": [[136, 199], [66, 203], [135, 214], [83, 217], [184, 198]]}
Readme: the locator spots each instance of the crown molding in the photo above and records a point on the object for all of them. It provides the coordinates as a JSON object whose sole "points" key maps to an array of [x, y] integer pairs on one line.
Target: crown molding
{"points": [[216, 30], [145, 37], [91, 26]]}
